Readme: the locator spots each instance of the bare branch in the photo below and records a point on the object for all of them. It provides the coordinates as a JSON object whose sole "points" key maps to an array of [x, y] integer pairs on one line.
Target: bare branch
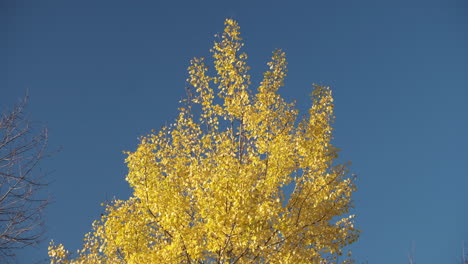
{"points": [[21, 204]]}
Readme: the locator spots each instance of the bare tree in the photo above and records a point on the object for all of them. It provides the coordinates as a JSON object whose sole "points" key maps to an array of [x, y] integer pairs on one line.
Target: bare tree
{"points": [[21, 203]]}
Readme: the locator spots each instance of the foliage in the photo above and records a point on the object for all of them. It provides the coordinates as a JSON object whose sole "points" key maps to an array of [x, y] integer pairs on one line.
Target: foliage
{"points": [[234, 180], [21, 204]]}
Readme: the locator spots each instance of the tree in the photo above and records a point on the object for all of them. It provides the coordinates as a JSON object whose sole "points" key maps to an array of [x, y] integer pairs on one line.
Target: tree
{"points": [[21, 205], [234, 180]]}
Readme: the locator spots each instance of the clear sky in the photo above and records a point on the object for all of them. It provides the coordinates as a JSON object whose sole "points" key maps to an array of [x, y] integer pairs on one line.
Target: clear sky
{"points": [[102, 73]]}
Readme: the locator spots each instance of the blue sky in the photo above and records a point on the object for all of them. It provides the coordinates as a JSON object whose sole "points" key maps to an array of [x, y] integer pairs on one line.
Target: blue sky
{"points": [[102, 73]]}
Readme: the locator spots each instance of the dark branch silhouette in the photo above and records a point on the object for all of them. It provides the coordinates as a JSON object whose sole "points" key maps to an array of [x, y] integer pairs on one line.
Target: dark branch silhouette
{"points": [[21, 202]]}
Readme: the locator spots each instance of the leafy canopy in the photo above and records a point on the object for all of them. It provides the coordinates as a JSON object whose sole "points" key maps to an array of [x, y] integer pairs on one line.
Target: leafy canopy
{"points": [[234, 180]]}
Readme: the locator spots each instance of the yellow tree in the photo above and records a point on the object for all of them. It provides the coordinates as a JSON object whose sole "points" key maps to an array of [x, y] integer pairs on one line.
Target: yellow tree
{"points": [[235, 179]]}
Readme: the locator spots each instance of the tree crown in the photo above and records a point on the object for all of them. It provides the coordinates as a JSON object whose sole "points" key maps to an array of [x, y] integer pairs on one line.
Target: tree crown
{"points": [[236, 179]]}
